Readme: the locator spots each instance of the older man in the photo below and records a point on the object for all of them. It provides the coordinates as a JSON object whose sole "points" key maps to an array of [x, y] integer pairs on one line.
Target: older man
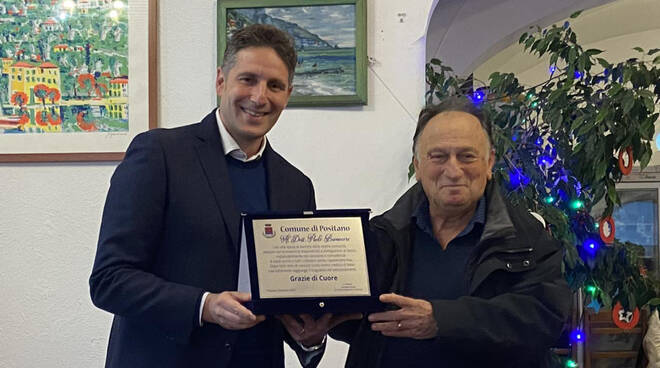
{"points": [[473, 280]]}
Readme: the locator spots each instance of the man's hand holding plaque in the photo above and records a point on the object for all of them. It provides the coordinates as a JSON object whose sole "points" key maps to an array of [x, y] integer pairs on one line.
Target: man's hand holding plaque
{"points": [[307, 264], [226, 309]]}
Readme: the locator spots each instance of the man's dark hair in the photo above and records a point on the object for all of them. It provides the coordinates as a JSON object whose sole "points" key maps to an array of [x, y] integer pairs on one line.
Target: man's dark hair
{"points": [[261, 35], [454, 103]]}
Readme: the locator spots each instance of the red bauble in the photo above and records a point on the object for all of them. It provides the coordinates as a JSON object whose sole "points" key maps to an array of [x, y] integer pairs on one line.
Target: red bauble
{"points": [[626, 168], [624, 319], [606, 223]]}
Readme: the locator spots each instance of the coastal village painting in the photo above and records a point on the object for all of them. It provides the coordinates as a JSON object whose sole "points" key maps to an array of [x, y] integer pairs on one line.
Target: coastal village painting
{"points": [[64, 66], [325, 37]]}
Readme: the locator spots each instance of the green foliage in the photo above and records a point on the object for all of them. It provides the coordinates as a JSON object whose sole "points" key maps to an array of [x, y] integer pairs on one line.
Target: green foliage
{"points": [[619, 276], [587, 111]]}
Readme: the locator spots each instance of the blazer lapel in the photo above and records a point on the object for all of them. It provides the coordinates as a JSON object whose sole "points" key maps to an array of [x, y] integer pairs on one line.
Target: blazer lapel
{"points": [[211, 154], [278, 186]]}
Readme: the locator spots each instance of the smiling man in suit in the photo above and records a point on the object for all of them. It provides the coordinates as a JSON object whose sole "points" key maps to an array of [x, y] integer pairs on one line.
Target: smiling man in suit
{"points": [[167, 259]]}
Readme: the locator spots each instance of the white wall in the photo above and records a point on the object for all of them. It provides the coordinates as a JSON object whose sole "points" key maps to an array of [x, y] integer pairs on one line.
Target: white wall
{"points": [[465, 33], [50, 213]]}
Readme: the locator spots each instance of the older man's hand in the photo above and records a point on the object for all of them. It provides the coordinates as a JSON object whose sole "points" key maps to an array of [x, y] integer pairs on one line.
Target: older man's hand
{"points": [[309, 331], [413, 319]]}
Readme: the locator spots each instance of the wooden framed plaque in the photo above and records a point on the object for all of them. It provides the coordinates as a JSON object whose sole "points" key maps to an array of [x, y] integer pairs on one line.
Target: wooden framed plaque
{"points": [[307, 262]]}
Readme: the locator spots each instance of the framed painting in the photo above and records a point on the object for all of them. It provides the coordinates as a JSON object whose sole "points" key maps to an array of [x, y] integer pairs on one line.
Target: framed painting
{"points": [[330, 39], [79, 78]]}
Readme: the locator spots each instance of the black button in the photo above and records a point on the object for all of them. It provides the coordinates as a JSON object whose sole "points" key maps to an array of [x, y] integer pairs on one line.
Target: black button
{"points": [[228, 346]]}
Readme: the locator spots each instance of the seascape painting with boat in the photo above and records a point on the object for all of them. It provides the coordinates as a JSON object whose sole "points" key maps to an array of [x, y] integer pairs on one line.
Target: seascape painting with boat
{"points": [[325, 43]]}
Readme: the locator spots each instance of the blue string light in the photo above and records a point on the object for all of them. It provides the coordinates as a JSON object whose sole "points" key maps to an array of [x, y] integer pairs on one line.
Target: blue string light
{"points": [[591, 246], [478, 97], [545, 161], [577, 335], [517, 179], [562, 195]]}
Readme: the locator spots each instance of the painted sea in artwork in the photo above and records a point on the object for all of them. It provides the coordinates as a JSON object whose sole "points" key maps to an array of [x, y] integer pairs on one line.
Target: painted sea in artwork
{"points": [[64, 66], [325, 43]]}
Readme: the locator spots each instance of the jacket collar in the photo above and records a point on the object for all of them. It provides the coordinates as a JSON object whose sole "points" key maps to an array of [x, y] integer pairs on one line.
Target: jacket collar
{"points": [[211, 155], [399, 215], [279, 180], [498, 222]]}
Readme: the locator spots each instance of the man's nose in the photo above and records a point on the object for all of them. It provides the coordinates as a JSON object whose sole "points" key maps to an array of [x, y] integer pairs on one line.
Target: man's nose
{"points": [[258, 95], [452, 168]]}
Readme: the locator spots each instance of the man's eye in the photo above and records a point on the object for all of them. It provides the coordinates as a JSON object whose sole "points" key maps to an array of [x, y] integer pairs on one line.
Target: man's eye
{"points": [[276, 86], [437, 156], [468, 157]]}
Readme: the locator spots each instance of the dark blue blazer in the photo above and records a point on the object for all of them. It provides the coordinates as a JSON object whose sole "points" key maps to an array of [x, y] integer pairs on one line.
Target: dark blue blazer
{"points": [[169, 233]]}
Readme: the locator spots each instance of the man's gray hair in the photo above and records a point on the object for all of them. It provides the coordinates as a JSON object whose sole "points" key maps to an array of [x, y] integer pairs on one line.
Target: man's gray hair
{"points": [[454, 103]]}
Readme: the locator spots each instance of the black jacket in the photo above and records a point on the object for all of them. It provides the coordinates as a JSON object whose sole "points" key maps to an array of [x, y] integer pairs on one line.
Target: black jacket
{"points": [[517, 301], [170, 231]]}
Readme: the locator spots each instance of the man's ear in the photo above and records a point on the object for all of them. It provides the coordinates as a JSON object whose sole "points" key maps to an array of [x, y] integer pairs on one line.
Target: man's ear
{"points": [[491, 163], [288, 93], [219, 82], [416, 166]]}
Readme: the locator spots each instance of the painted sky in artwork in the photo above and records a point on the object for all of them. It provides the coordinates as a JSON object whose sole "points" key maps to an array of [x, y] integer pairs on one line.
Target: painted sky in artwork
{"points": [[334, 23]]}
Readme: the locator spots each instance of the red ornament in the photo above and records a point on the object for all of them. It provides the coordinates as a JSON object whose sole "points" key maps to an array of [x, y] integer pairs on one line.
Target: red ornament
{"points": [[606, 229], [626, 169], [624, 319]]}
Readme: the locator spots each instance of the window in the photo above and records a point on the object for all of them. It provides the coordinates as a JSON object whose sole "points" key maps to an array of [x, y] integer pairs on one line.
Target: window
{"points": [[636, 220]]}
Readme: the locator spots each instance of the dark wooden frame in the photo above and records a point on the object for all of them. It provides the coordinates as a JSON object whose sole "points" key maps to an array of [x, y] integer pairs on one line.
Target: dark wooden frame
{"points": [[360, 96], [152, 98]]}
